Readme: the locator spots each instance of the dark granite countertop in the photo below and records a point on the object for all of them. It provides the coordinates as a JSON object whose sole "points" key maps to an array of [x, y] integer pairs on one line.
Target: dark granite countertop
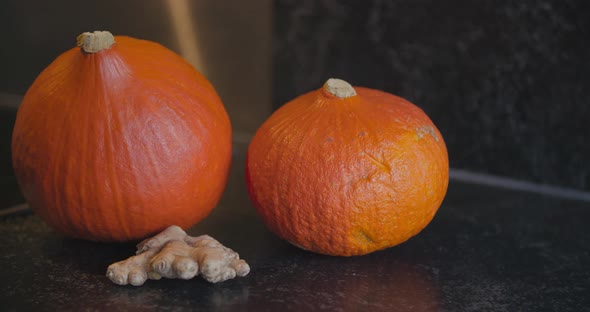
{"points": [[487, 249]]}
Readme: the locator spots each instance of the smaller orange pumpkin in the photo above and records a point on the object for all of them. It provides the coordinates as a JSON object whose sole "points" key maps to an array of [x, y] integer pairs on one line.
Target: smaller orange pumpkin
{"points": [[119, 139], [347, 171]]}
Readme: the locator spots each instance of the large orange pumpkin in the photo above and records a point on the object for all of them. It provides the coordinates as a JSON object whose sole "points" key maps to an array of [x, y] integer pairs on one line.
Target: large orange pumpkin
{"points": [[119, 139], [347, 171]]}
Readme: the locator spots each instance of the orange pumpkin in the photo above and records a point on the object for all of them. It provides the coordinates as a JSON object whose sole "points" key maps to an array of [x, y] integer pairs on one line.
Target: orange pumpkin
{"points": [[347, 171], [119, 139]]}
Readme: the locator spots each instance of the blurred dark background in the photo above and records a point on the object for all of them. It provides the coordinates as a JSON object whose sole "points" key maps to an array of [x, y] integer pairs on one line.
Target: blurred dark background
{"points": [[506, 82]]}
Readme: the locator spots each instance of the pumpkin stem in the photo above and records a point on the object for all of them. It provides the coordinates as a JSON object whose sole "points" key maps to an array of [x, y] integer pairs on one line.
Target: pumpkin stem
{"points": [[92, 42], [339, 88]]}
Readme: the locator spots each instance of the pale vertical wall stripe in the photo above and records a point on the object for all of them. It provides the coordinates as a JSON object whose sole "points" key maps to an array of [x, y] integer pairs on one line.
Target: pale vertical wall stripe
{"points": [[186, 36]]}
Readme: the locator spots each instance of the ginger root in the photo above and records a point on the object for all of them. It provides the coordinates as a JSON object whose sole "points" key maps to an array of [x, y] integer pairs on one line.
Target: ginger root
{"points": [[174, 254]]}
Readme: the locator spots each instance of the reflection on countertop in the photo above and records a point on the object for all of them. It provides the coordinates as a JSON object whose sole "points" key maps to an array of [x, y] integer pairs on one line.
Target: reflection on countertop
{"points": [[486, 249]]}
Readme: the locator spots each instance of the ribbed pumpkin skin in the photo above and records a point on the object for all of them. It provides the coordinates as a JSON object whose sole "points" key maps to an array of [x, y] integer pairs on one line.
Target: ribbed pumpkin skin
{"points": [[119, 144], [347, 176]]}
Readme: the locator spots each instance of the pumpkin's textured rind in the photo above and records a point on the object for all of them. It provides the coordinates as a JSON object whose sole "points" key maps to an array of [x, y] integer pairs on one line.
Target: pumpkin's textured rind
{"points": [[347, 176], [119, 144]]}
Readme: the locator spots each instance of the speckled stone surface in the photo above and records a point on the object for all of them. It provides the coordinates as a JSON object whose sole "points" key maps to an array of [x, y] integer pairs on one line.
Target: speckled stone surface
{"points": [[486, 250], [507, 82]]}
